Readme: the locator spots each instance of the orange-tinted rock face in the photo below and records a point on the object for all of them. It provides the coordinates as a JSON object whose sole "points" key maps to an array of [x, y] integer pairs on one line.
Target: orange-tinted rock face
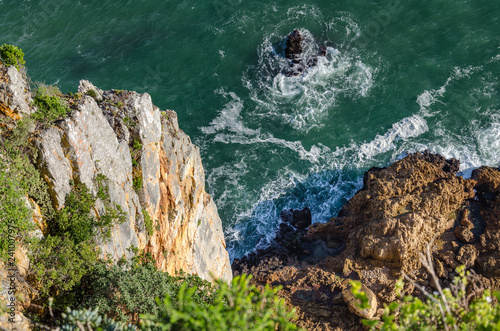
{"points": [[190, 236], [398, 211]]}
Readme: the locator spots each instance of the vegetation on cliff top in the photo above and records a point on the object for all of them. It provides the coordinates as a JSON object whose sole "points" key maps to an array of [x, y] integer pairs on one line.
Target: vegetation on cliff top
{"points": [[11, 55], [65, 269]]}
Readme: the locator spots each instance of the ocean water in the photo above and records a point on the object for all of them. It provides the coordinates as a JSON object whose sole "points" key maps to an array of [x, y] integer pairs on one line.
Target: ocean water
{"points": [[398, 77]]}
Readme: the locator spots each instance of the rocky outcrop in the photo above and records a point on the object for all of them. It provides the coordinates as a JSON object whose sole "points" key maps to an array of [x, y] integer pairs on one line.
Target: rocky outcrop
{"points": [[15, 96], [153, 172], [379, 234], [299, 62]]}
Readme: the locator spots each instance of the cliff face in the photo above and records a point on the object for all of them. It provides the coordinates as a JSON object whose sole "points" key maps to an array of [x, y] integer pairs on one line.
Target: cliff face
{"points": [[379, 234], [154, 173], [152, 169]]}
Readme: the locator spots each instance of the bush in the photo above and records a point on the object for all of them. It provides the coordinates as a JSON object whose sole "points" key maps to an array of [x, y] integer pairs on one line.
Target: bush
{"points": [[124, 292], [74, 320], [239, 306], [148, 222], [11, 56], [69, 251], [49, 103], [19, 179], [446, 309], [59, 264], [14, 211]]}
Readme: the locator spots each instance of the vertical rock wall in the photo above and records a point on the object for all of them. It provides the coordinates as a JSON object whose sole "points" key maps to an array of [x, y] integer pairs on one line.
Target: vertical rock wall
{"points": [[152, 168]]}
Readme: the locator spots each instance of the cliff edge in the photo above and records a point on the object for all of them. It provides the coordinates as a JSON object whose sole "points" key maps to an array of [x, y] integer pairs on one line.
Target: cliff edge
{"points": [[131, 157]]}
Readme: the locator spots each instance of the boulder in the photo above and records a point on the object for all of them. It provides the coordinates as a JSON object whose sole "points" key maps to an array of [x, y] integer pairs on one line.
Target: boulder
{"points": [[354, 303], [300, 219], [294, 52]]}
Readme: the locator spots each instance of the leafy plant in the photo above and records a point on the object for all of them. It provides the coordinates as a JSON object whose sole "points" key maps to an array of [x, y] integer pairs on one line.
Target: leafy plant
{"points": [[450, 308], [238, 306], [49, 103], [137, 184], [69, 251], [59, 264], [451, 311], [19, 179], [126, 291], [14, 211], [85, 318], [91, 93], [137, 145], [11, 55], [128, 122], [148, 222]]}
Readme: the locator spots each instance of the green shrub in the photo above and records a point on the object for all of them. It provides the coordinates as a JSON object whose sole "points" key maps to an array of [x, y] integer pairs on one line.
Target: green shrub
{"points": [[74, 320], [49, 103], [14, 211], [69, 251], [59, 264], [11, 56], [91, 93], [238, 306], [148, 222], [137, 183], [446, 309], [74, 220], [128, 122], [137, 145], [126, 291], [19, 179]]}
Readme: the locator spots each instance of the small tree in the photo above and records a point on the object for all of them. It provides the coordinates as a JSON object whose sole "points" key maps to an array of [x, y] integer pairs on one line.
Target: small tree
{"points": [[11, 55]]}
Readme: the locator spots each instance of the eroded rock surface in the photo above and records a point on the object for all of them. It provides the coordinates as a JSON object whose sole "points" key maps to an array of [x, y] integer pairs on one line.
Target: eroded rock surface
{"points": [[379, 234], [15, 95], [152, 168]]}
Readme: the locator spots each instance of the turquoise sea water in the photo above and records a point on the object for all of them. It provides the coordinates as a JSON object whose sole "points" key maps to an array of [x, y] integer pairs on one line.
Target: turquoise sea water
{"points": [[399, 76]]}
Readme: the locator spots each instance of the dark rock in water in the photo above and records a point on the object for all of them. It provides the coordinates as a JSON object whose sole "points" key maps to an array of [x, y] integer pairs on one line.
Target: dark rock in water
{"points": [[300, 219], [322, 50], [295, 53], [294, 45]]}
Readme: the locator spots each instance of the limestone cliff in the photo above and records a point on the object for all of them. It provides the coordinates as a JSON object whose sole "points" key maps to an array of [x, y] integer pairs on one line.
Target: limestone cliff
{"points": [[152, 169]]}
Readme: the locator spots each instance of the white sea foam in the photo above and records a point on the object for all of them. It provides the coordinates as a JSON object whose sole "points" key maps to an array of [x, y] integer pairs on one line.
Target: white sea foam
{"points": [[229, 117], [408, 127], [303, 101]]}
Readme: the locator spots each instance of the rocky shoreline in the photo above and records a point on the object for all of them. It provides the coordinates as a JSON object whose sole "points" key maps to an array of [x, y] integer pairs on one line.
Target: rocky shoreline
{"points": [[154, 174], [377, 236]]}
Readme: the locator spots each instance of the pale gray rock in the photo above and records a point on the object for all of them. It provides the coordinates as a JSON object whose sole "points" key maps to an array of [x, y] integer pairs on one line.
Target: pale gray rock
{"points": [[101, 138], [15, 94], [85, 86], [353, 303]]}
